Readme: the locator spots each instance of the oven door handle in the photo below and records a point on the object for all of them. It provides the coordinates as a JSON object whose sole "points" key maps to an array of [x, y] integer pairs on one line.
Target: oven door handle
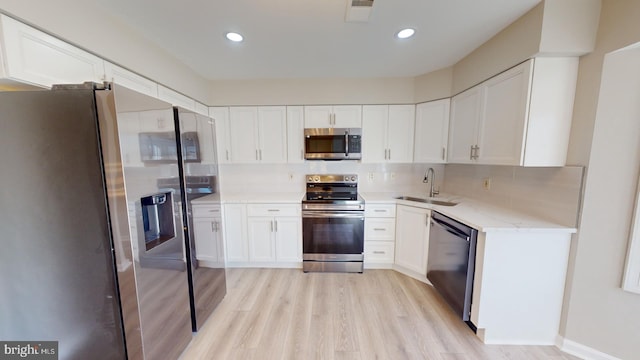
{"points": [[331, 214]]}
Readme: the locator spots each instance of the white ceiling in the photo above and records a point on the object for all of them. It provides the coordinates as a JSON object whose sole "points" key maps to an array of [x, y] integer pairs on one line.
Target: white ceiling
{"points": [[310, 38]]}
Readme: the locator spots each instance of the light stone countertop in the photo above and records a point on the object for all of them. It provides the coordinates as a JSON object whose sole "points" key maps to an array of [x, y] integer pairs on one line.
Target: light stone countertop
{"points": [[481, 216]]}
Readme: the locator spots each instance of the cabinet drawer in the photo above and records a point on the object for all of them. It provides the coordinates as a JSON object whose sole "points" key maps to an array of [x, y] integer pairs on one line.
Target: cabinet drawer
{"points": [[206, 211], [379, 229], [273, 209], [380, 210], [378, 251]]}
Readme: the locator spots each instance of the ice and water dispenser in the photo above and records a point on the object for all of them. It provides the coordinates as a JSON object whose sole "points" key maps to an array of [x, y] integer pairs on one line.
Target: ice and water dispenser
{"points": [[157, 219]]}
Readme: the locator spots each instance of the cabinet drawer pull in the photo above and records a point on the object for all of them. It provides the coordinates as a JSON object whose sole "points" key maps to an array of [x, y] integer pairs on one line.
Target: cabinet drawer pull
{"points": [[273, 210], [379, 229], [379, 210], [214, 210], [443, 150], [379, 252]]}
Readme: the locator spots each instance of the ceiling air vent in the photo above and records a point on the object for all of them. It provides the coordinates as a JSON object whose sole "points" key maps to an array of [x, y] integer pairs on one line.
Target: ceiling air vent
{"points": [[358, 10]]}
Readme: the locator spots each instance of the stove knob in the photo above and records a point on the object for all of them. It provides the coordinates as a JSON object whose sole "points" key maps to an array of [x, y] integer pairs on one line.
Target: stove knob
{"points": [[317, 179], [310, 178], [353, 178]]}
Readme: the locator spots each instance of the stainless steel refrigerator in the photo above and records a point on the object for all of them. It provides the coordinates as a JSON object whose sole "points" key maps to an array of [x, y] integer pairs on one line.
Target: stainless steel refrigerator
{"points": [[92, 248]]}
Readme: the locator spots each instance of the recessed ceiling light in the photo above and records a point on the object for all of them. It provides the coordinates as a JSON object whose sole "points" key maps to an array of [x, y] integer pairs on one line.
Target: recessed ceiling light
{"points": [[405, 33], [235, 37]]}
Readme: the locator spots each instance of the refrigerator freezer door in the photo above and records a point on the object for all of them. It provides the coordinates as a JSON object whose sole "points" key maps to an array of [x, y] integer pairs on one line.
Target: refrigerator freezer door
{"points": [[56, 263], [158, 278]]}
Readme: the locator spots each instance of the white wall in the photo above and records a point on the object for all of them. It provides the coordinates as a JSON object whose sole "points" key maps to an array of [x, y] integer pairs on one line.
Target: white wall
{"points": [[600, 314], [86, 25]]}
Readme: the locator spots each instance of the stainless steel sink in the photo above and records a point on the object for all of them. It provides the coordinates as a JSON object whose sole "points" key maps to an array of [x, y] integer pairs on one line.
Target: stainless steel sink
{"points": [[427, 201]]}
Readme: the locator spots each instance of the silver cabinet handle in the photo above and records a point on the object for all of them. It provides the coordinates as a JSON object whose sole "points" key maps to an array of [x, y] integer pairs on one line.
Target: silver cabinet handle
{"points": [[256, 154], [271, 223], [379, 229], [379, 210], [471, 152], [213, 226], [443, 150], [379, 252], [276, 225], [260, 154], [227, 151], [273, 210], [389, 154]]}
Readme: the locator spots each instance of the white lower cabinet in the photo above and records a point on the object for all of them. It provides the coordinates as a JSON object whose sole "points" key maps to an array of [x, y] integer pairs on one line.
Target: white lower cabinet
{"points": [[379, 235], [235, 233], [207, 230], [272, 235], [412, 240]]}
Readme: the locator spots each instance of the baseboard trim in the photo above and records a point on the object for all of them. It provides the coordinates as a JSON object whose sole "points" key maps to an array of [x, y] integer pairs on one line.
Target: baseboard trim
{"points": [[581, 351]]}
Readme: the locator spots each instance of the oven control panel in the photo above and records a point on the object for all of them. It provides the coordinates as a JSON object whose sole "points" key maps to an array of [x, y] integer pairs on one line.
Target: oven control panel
{"points": [[349, 178]]}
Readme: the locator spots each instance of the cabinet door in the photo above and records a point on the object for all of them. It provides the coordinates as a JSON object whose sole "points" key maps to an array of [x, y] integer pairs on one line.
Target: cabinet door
{"points": [[295, 134], [130, 80], [220, 116], [412, 238], [400, 131], [347, 116], [208, 241], [235, 232], [318, 117], [465, 113], [243, 134], [432, 132], [261, 239], [374, 133], [501, 129], [35, 57], [288, 232], [272, 129]]}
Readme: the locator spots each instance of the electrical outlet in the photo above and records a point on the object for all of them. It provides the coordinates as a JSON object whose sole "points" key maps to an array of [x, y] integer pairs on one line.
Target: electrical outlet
{"points": [[486, 184], [370, 176]]}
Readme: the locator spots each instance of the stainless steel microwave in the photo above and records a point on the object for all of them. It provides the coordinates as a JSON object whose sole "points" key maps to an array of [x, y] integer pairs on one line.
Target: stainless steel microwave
{"points": [[333, 144]]}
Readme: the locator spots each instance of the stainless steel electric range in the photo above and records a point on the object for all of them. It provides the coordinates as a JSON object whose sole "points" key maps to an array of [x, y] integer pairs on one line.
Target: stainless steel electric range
{"points": [[332, 224]]}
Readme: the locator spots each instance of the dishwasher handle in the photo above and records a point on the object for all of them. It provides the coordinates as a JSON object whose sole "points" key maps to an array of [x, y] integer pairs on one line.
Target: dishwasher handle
{"points": [[450, 229]]}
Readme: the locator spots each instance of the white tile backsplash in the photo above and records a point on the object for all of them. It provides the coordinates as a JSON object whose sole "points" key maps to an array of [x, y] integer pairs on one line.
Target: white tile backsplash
{"points": [[291, 177], [549, 193]]}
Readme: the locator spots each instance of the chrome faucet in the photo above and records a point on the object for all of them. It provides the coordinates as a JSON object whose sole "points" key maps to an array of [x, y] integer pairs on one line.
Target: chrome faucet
{"points": [[426, 180]]}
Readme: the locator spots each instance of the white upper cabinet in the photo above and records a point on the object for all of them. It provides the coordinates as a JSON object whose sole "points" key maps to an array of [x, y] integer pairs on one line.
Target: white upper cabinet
{"points": [[220, 116], [175, 98], [432, 132], [387, 133], [272, 134], [519, 117], [131, 80], [201, 108], [295, 134], [34, 57], [338, 116], [258, 134]]}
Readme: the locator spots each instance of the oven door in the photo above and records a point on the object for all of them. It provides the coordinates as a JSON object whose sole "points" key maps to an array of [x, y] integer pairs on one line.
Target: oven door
{"points": [[333, 235]]}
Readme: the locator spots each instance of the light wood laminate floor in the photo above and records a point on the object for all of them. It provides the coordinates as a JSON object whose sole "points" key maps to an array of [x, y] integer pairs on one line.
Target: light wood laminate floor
{"points": [[380, 314]]}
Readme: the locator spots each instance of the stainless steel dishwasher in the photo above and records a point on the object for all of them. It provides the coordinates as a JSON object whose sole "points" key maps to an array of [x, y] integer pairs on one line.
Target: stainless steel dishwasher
{"points": [[451, 262]]}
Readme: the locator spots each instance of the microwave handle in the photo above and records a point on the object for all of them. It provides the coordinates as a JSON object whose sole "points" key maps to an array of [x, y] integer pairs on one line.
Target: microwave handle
{"points": [[346, 143]]}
